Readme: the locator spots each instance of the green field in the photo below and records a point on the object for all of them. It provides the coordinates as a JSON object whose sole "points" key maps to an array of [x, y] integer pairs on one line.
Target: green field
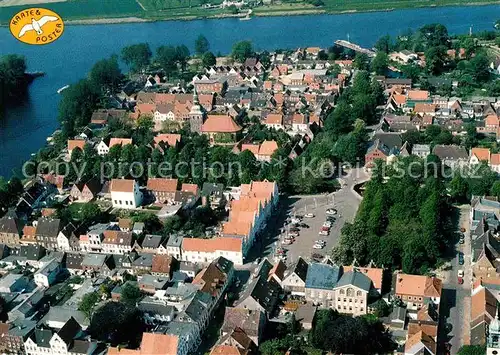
{"points": [[190, 9], [81, 9]]}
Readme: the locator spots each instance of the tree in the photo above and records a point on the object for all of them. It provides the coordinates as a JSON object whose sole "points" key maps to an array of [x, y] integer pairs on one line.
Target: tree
{"points": [[379, 63], [435, 59], [106, 73], [137, 56], [242, 50], [480, 68], [208, 59], [384, 44], [361, 61], [495, 189], [459, 188], [13, 82], [201, 45], [77, 104], [472, 350], [341, 334], [166, 56], [116, 323], [182, 55], [88, 303], [130, 294], [435, 35], [382, 309]]}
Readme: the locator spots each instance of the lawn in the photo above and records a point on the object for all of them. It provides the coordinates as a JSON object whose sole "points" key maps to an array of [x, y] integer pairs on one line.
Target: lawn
{"points": [[82, 9]]}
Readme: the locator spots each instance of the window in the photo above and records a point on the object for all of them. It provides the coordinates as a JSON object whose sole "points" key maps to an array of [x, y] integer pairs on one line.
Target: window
{"points": [[350, 292], [358, 293]]}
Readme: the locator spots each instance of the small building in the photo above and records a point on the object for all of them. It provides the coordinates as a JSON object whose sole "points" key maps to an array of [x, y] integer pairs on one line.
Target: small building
{"points": [[125, 194]]}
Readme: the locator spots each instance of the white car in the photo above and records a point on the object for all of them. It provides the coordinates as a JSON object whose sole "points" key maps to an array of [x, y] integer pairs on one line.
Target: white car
{"points": [[309, 215], [324, 233], [327, 224], [331, 211], [321, 241], [318, 246]]}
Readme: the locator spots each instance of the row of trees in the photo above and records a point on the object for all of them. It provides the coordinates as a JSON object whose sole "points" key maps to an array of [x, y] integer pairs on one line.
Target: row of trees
{"points": [[401, 222]]}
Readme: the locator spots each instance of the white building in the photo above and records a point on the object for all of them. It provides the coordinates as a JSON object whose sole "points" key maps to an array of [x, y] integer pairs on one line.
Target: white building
{"points": [[47, 275], [125, 194], [205, 250]]}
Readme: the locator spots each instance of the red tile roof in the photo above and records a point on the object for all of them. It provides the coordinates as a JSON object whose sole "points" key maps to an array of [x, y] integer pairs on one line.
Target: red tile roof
{"points": [[162, 185], [220, 124]]}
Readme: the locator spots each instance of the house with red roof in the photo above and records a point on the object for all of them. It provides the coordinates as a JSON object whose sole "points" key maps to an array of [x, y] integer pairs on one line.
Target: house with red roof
{"points": [[221, 129]]}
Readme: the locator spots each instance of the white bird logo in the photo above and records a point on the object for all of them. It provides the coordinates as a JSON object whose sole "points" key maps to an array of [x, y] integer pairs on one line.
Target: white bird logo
{"points": [[37, 25]]}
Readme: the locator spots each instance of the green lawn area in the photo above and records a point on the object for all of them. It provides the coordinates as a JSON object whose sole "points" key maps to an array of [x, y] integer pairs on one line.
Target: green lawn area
{"points": [[82, 9], [151, 5], [178, 9]]}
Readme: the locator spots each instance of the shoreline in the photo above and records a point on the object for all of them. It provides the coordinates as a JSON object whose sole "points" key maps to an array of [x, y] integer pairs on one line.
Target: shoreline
{"points": [[256, 13]]}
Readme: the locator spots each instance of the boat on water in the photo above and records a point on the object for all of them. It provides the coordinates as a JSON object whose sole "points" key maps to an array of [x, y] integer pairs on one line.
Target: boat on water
{"points": [[62, 89], [247, 17]]}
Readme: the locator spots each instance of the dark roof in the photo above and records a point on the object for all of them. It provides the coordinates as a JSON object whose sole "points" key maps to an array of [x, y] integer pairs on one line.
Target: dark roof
{"points": [[322, 276], [300, 269], [453, 152], [10, 224], [212, 189], [152, 241], [355, 278], [69, 330], [93, 184], [32, 251], [155, 308], [74, 261], [264, 292], [390, 139], [42, 337], [144, 260], [48, 227], [246, 319]]}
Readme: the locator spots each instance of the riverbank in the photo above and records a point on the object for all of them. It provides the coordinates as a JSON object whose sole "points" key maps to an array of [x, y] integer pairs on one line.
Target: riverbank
{"points": [[120, 16]]}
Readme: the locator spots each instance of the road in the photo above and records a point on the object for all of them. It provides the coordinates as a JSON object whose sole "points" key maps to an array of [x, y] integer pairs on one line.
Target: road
{"points": [[455, 307], [345, 200]]}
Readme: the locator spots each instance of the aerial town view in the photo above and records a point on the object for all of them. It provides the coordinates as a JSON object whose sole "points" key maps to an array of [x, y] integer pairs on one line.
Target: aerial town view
{"points": [[249, 182]]}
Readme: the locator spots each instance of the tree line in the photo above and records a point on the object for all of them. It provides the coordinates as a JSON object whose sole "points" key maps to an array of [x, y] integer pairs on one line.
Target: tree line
{"points": [[401, 222]]}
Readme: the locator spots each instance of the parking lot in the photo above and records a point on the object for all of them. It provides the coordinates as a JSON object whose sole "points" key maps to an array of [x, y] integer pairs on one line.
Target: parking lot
{"points": [[345, 201]]}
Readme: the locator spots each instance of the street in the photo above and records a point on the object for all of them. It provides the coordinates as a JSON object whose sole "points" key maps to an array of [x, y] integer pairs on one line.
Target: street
{"points": [[455, 307]]}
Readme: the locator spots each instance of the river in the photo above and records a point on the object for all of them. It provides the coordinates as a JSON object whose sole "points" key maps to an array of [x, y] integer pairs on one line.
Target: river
{"points": [[24, 129]]}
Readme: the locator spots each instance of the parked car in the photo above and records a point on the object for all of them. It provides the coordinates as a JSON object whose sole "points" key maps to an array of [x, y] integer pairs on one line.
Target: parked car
{"points": [[325, 228], [330, 219], [303, 225], [460, 277], [321, 241], [327, 224], [309, 215], [462, 238], [324, 232], [294, 229], [461, 258], [293, 234], [331, 211], [318, 246]]}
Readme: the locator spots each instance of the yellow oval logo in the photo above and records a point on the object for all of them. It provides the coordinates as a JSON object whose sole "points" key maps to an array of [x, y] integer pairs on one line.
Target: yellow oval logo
{"points": [[36, 26]]}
